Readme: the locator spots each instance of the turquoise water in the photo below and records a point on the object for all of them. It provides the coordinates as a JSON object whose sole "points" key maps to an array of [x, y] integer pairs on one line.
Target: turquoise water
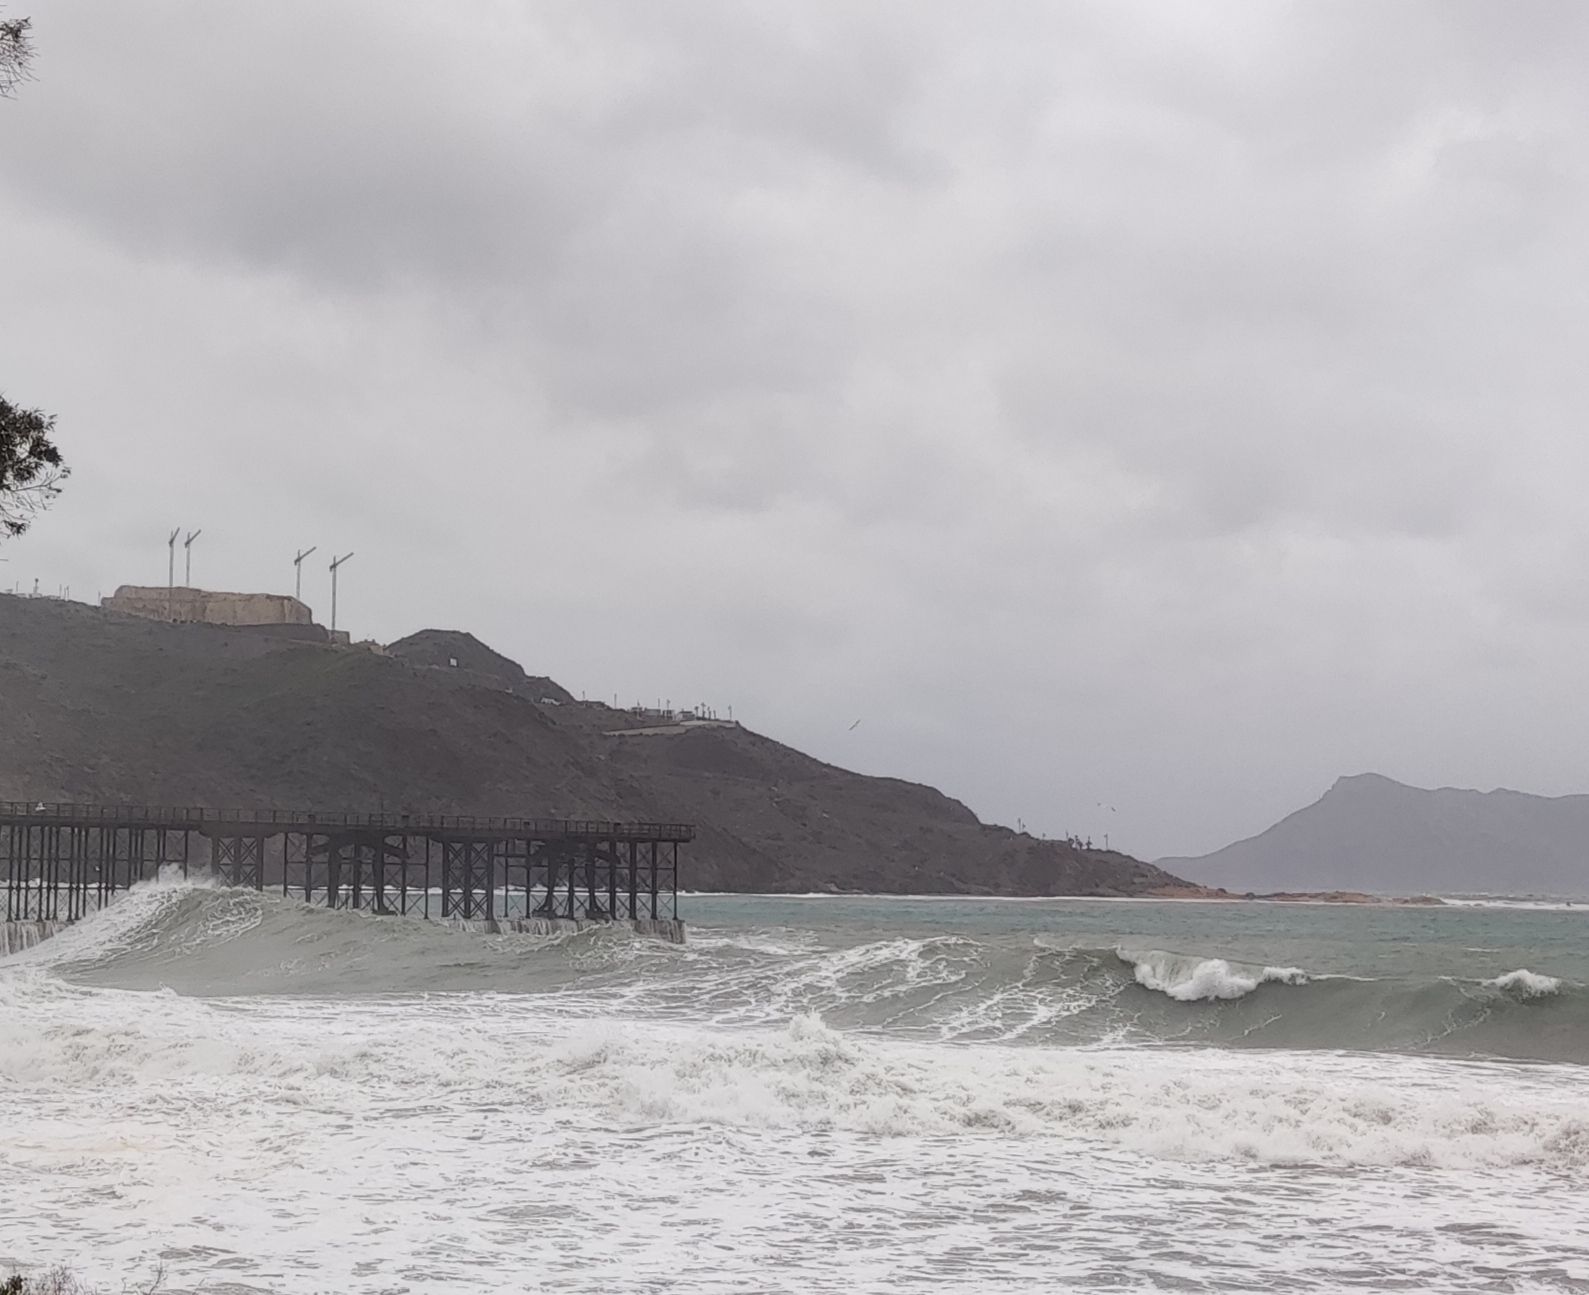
{"points": [[1464, 942]]}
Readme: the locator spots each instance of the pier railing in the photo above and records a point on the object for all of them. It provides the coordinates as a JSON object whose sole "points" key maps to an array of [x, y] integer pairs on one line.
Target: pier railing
{"points": [[200, 818]]}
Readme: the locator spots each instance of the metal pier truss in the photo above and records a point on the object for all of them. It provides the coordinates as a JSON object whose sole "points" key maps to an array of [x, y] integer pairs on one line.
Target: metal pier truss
{"points": [[59, 862]]}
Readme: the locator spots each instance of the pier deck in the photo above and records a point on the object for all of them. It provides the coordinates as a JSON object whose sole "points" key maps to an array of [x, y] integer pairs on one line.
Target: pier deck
{"points": [[59, 862]]}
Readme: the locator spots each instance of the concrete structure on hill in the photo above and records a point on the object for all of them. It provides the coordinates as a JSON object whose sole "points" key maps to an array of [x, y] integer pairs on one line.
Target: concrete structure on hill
{"points": [[208, 607]]}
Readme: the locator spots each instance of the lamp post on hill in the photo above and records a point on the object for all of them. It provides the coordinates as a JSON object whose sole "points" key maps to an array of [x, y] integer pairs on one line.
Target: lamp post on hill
{"points": [[335, 563], [297, 567], [171, 575]]}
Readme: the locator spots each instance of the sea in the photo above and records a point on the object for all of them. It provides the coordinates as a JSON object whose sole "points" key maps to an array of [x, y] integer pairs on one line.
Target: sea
{"points": [[238, 1093]]}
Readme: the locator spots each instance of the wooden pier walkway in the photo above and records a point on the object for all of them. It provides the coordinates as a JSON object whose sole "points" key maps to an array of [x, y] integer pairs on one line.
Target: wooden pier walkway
{"points": [[59, 862]]}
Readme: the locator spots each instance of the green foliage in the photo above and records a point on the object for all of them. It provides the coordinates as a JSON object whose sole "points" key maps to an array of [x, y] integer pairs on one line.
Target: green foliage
{"points": [[62, 1281], [58, 1281], [16, 53], [30, 465], [31, 468]]}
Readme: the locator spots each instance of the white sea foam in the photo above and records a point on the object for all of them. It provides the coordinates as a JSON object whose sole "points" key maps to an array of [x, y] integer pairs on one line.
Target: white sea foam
{"points": [[457, 1142], [1190, 979], [806, 1076], [783, 943], [1526, 984]]}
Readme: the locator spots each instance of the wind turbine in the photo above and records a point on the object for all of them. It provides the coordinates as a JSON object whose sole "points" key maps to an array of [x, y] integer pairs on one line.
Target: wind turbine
{"points": [[187, 545]]}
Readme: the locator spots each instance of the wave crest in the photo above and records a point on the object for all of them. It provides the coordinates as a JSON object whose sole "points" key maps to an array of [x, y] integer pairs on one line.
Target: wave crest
{"points": [[1188, 979], [1524, 983]]}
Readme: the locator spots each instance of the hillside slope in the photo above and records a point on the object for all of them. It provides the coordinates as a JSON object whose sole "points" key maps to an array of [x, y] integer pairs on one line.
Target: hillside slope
{"points": [[100, 707], [1373, 834], [456, 650]]}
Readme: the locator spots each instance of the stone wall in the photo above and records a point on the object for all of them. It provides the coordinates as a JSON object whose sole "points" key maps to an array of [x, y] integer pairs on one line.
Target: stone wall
{"points": [[207, 606]]}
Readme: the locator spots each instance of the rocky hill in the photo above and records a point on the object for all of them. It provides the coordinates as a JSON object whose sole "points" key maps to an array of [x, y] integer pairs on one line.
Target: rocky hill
{"points": [[457, 650], [1370, 833], [97, 706]]}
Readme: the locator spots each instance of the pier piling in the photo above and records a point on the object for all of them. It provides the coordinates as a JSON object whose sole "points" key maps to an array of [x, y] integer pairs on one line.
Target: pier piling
{"points": [[60, 862]]}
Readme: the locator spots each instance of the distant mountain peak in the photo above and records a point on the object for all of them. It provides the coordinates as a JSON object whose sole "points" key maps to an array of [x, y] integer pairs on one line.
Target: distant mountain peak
{"points": [[1372, 833], [1366, 780]]}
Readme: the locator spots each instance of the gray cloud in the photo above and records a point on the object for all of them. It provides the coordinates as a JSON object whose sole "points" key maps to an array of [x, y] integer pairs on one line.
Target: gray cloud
{"points": [[1173, 407]]}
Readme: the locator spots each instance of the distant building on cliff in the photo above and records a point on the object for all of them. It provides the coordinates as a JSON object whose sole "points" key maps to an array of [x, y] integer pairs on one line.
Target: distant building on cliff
{"points": [[208, 607]]}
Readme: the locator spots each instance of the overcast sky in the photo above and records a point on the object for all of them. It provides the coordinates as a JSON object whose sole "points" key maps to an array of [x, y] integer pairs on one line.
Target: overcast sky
{"points": [[1168, 407]]}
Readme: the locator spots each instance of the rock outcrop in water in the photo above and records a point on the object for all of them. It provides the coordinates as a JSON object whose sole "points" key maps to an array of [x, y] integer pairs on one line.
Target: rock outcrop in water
{"points": [[100, 707], [1371, 833]]}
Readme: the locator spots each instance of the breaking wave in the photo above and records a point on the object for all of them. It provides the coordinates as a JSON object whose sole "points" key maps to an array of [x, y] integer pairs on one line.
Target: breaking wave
{"points": [[213, 942], [1188, 979], [349, 1060], [1526, 984], [358, 1103]]}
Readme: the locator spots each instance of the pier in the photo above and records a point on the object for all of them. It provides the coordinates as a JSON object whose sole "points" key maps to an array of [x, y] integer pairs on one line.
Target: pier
{"points": [[60, 862]]}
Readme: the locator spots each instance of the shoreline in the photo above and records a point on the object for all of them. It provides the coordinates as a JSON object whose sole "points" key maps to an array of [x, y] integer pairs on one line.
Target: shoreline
{"points": [[1191, 895], [1299, 897]]}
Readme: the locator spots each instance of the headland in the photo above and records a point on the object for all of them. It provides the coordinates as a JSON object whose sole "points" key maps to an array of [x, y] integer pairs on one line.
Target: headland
{"points": [[109, 707]]}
